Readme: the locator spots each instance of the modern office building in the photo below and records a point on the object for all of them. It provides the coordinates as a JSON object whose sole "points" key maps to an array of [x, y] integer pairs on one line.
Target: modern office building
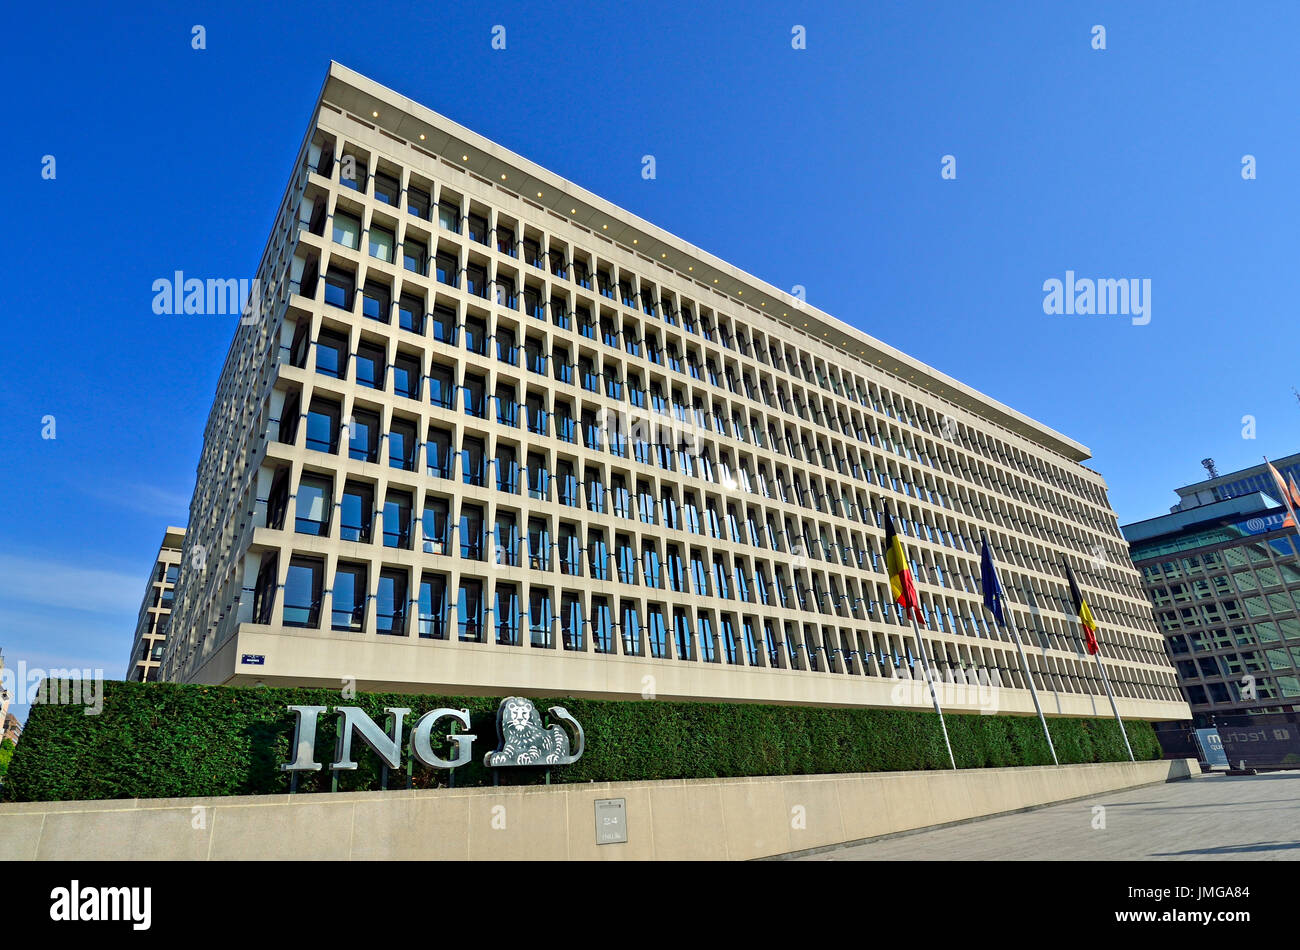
{"points": [[6, 697], [1246, 481], [489, 433], [1222, 574], [155, 610]]}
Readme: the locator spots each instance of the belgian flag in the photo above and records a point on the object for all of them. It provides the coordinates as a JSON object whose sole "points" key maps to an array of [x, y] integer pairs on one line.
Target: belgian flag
{"points": [[900, 575], [1086, 620]]}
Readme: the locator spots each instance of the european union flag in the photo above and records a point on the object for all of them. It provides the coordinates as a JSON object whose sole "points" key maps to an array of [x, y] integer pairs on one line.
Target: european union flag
{"points": [[989, 583]]}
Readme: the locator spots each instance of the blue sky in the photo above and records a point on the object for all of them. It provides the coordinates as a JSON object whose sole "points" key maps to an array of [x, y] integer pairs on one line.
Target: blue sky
{"points": [[817, 167]]}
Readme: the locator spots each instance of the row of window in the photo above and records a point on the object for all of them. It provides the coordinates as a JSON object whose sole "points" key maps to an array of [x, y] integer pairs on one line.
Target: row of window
{"points": [[557, 260], [443, 391], [469, 461], [577, 622], [446, 329], [440, 528]]}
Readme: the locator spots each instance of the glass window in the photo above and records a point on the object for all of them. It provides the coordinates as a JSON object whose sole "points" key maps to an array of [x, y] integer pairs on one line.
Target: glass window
{"points": [[302, 589], [602, 633], [415, 256], [507, 615], [506, 540], [357, 512], [657, 631], [381, 244], [442, 392], [401, 446], [406, 377], [390, 603], [539, 544], [448, 269], [370, 367], [434, 526], [410, 314], [397, 520], [471, 533], [347, 230], [313, 505], [332, 356], [376, 302], [433, 606], [323, 426], [417, 203], [439, 453], [469, 610], [363, 438], [339, 288], [475, 397], [539, 617], [387, 189], [476, 336], [449, 216], [571, 622], [444, 325], [478, 228], [473, 461], [348, 598]]}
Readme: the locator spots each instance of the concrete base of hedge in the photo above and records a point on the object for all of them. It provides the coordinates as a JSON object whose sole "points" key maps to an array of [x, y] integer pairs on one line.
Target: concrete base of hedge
{"points": [[733, 818]]}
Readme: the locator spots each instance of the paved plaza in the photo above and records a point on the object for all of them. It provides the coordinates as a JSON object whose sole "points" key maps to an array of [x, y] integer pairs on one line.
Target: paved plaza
{"points": [[1212, 817]]}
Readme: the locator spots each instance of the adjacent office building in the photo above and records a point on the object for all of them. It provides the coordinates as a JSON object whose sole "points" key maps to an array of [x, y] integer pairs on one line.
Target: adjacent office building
{"points": [[13, 729], [1222, 573], [155, 610], [486, 432]]}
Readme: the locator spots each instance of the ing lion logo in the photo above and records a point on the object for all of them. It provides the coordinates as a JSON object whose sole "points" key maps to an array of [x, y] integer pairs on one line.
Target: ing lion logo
{"points": [[522, 740]]}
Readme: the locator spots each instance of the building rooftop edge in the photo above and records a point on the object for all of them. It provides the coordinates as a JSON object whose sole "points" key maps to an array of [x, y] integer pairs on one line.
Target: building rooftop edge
{"points": [[1285, 461], [1175, 522], [625, 224]]}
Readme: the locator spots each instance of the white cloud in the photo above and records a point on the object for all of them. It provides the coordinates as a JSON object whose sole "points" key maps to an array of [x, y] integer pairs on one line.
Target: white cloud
{"points": [[34, 581], [160, 503]]}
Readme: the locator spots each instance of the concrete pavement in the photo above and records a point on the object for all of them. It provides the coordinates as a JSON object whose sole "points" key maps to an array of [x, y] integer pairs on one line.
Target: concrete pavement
{"points": [[1212, 817]]}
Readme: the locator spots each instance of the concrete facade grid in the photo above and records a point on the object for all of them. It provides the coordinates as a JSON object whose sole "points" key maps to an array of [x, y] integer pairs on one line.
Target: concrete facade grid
{"points": [[155, 610], [854, 436]]}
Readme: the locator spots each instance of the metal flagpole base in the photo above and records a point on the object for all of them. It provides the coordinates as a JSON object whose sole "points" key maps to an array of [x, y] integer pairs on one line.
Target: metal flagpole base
{"points": [[929, 678], [1029, 676], [1105, 680]]}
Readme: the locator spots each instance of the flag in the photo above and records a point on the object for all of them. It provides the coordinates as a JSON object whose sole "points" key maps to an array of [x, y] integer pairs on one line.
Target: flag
{"points": [[989, 583], [1081, 608], [1285, 492], [900, 575]]}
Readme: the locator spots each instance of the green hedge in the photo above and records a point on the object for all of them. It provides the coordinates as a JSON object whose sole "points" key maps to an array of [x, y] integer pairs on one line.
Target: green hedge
{"points": [[162, 740]]}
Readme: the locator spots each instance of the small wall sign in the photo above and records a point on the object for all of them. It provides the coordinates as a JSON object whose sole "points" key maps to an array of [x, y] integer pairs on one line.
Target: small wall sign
{"points": [[611, 821]]}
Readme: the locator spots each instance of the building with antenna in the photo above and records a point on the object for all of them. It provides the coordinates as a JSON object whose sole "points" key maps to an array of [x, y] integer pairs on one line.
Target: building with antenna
{"points": [[1222, 573]]}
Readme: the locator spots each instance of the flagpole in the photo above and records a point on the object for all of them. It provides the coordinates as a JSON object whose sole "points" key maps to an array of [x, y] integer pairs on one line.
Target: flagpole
{"points": [[994, 603], [1029, 676], [929, 676], [1106, 682], [1090, 629]]}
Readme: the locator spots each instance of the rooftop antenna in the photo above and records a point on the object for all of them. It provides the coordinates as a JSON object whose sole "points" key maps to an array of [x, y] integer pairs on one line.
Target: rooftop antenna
{"points": [[1209, 465]]}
